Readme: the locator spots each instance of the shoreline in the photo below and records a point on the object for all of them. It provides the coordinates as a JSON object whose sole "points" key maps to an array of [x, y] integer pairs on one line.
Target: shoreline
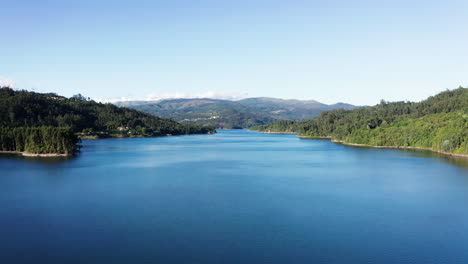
{"points": [[456, 155], [285, 133], [27, 154], [269, 132], [305, 137], [93, 137]]}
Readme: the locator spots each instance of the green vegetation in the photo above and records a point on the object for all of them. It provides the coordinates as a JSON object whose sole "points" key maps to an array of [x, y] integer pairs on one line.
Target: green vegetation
{"points": [[439, 123], [207, 112], [52, 121], [233, 114], [283, 126], [38, 140]]}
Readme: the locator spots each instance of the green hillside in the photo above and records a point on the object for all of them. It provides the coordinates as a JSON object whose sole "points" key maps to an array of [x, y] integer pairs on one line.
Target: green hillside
{"points": [[36, 117], [206, 112], [233, 114], [438, 123]]}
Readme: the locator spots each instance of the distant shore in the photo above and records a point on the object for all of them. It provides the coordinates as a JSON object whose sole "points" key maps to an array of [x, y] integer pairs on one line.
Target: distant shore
{"points": [[288, 133], [268, 132], [402, 147], [27, 154], [304, 137], [458, 155], [106, 136]]}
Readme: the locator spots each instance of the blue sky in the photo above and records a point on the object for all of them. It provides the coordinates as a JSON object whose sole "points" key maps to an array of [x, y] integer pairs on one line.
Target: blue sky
{"points": [[331, 51]]}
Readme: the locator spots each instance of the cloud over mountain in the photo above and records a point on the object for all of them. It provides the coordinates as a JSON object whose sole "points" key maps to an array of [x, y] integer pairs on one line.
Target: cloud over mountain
{"points": [[179, 95], [6, 82]]}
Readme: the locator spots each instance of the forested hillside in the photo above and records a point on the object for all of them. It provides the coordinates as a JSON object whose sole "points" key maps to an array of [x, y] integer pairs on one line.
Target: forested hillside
{"points": [[208, 112], [438, 123], [38, 140], [243, 113], [57, 116]]}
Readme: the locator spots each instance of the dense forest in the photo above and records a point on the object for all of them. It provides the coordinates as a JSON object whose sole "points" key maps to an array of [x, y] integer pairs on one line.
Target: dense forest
{"points": [[52, 116], [38, 140], [438, 123]]}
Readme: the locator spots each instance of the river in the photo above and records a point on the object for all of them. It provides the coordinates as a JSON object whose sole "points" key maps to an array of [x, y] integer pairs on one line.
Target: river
{"points": [[233, 197]]}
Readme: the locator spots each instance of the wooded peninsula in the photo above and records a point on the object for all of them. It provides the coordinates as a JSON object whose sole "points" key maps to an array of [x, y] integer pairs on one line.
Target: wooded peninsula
{"points": [[44, 124], [439, 123]]}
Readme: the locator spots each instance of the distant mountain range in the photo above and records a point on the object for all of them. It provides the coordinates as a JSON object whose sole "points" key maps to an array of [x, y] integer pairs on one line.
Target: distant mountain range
{"points": [[233, 114]]}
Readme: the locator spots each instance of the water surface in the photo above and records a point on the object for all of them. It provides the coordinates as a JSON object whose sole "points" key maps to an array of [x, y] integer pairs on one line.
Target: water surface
{"points": [[233, 197]]}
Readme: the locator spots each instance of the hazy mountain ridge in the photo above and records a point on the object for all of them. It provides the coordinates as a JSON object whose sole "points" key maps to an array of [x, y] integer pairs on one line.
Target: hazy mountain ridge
{"points": [[233, 114]]}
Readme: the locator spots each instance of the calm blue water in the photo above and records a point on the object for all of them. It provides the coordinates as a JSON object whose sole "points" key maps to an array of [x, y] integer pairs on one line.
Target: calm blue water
{"points": [[233, 197]]}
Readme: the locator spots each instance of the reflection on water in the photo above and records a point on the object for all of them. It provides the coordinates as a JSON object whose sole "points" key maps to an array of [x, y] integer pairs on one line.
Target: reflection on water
{"points": [[41, 160], [457, 161]]}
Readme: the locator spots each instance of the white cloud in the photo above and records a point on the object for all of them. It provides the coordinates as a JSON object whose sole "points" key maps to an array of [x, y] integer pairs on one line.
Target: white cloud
{"points": [[6, 82], [209, 94], [162, 96], [115, 99]]}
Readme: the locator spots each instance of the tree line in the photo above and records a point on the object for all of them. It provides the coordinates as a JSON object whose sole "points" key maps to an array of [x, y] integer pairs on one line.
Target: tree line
{"points": [[29, 109], [38, 139], [49, 113], [439, 122]]}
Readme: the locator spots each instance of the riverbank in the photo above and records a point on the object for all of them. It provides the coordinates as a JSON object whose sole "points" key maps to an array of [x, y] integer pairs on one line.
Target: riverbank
{"points": [[107, 136], [286, 133], [304, 137], [273, 132], [27, 154], [457, 155], [120, 135]]}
